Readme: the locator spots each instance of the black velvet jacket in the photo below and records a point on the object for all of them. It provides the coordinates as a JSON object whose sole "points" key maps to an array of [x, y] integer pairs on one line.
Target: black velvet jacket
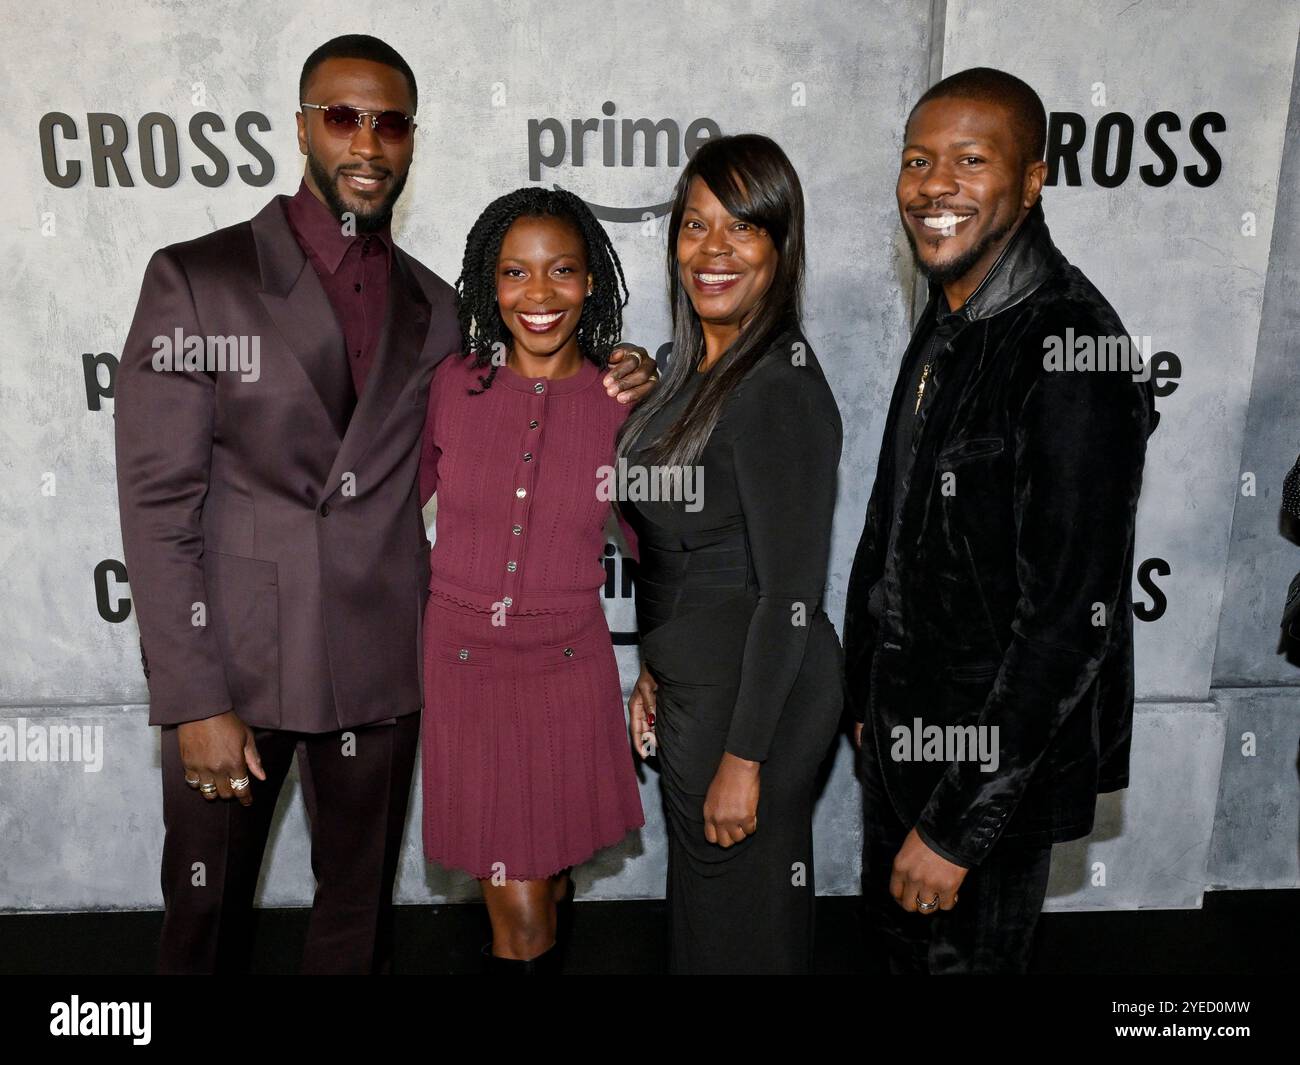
{"points": [[1005, 599]]}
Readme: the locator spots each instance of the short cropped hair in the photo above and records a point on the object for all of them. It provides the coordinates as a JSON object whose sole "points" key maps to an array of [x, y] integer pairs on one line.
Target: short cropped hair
{"points": [[358, 46], [1028, 116]]}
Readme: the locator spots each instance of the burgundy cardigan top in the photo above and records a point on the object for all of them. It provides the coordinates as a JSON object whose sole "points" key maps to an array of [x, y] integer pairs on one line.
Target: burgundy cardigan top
{"points": [[520, 520]]}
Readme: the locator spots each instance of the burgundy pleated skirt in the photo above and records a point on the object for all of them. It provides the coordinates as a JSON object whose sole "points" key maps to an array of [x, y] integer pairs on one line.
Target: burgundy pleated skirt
{"points": [[525, 761]]}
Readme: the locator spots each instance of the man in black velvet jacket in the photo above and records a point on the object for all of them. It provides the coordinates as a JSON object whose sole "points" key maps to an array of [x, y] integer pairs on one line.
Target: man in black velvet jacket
{"points": [[988, 633]]}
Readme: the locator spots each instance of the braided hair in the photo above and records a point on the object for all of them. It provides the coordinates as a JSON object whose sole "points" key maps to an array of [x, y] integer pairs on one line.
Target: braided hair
{"points": [[481, 326]]}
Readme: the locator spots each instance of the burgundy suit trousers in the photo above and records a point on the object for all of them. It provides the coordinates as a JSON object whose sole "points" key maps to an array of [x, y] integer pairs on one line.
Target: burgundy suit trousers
{"points": [[356, 792]]}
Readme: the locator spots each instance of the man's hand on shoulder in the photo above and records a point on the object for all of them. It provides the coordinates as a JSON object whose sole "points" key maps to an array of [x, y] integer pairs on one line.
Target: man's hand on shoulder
{"points": [[632, 373]]}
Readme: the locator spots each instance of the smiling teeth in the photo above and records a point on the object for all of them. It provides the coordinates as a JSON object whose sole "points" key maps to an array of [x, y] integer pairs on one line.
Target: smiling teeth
{"points": [[713, 279], [945, 221], [541, 319]]}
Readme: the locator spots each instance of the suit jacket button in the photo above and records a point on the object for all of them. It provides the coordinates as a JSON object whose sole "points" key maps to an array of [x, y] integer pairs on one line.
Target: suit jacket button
{"points": [[324, 509], [464, 655], [568, 652]]}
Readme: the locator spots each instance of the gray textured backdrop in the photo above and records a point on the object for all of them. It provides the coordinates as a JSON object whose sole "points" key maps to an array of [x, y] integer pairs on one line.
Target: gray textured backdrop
{"points": [[1209, 273]]}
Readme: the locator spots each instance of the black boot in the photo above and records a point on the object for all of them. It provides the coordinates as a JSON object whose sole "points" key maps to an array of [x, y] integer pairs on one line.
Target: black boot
{"points": [[545, 964]]}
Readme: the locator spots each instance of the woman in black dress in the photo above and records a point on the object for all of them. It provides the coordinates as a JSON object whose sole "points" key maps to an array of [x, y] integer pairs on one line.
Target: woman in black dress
{"points": [[739, 691]]}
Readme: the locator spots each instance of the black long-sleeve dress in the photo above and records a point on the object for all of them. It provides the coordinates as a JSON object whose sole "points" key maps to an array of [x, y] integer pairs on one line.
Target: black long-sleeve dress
{"points": [[729, 606]]}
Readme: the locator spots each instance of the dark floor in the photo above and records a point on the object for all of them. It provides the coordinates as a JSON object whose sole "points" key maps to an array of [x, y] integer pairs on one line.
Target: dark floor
{"points": [[1237, 932]]}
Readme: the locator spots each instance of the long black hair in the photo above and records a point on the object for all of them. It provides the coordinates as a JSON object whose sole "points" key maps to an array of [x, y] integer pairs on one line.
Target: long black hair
{"points": [[481, 327], [752, 177]]}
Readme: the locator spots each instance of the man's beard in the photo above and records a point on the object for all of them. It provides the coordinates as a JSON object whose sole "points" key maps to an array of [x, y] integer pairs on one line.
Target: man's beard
{"points": [[366, 223], [956, 269]]}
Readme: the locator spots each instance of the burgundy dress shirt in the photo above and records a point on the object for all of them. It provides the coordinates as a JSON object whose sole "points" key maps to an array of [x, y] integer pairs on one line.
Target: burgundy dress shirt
{"points": [[353, 270]]}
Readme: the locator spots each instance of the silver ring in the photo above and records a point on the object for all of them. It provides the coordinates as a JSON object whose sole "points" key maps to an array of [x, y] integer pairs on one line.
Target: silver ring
{"points": [[240, 784], [207, 789], [192, 783], [927, 907]]}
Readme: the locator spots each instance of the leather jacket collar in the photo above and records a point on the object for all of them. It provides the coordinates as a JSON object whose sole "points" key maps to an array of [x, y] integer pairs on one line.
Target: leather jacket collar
{"points": [[1025, 263]]}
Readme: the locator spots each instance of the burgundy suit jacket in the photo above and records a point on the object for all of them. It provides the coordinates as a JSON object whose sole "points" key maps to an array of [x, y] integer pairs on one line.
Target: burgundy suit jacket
{"points": [[277, 563]]}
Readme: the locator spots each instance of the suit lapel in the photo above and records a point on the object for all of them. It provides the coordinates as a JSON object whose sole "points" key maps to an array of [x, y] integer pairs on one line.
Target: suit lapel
{"points": [[406, 324], [296, 302]]}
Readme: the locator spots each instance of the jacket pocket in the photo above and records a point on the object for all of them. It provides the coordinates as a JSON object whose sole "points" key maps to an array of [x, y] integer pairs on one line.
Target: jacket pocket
{"points": [[973, 672], [974, 448]]}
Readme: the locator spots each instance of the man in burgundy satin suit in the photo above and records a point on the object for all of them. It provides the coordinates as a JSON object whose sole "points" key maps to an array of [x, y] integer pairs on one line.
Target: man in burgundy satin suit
{"points": [[272, 535], [271, 527]]}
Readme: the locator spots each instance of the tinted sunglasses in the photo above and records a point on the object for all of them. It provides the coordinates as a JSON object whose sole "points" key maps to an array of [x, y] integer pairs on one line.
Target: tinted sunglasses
{"points": [[343, 121]]}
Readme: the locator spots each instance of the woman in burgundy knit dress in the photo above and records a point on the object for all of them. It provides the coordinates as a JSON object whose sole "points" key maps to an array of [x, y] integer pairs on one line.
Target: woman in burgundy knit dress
{"points": [[526, 768]]}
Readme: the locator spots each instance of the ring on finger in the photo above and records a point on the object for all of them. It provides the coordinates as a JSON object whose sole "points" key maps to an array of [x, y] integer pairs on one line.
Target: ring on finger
{"points": [[240, 784], [192, 783], [927, 907], [208, 789]]}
